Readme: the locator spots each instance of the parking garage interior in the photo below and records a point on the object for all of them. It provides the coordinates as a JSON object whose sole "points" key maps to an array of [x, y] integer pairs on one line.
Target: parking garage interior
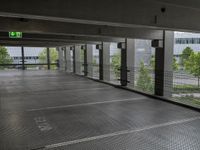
{"points": [[104, 75]]}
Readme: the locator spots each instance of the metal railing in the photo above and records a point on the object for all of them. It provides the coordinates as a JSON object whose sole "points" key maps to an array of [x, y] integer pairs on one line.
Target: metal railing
{"points": [[178, 86]]}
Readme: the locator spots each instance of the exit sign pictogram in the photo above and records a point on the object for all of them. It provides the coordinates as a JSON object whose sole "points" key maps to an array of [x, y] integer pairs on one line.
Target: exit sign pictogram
{"points": [[15, 34]]}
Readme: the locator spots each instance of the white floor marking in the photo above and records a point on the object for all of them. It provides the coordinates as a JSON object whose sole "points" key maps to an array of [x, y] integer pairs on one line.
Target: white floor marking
{"points": [[87, 104], [119, 133]]}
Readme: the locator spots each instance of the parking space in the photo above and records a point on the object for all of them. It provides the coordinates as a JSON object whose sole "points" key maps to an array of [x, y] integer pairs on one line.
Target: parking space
{"points": [[56, 110]]}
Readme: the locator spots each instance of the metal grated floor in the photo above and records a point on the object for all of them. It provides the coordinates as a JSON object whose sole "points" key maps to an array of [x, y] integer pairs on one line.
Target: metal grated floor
{"points": [[54, 110]]}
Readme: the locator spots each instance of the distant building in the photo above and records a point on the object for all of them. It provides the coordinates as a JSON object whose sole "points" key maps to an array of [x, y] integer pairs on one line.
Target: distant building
{"points": [[31, 54], [183, 40]]}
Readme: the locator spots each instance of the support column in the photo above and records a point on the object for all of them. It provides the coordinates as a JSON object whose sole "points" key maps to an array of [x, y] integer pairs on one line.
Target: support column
{"points": [[159, 67], [72, 48], [48, 59], [89, 48], [78, 59], [130, 44], [106, 61], [163, 64], [159, 71], [85, 64], [65, 58], [60, 56], [23, 61], [100, 48], [168, 62], [68, 60], [123, 69]]}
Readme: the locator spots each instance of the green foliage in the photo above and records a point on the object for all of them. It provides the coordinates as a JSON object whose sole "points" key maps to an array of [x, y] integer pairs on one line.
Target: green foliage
{"points": [[4, 57], [116, 64], [185, 55], [175, 65], [152, 62], [192, 65], [189, 100], [82, 55], [94, 61], [53, 56], [144, 81], [185, 88]]}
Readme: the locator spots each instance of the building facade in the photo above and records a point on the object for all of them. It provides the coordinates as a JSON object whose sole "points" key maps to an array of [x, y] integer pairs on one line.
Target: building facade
{"points": [[31, 54]]}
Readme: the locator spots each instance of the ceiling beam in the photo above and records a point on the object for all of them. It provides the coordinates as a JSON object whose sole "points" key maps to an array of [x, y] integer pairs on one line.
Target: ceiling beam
{"points": [[32, 43], [64, 28], [43, 42], [64, 38]]}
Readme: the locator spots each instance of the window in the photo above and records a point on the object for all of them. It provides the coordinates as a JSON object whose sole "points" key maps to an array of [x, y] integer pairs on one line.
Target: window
{"points": [[187, 40]]}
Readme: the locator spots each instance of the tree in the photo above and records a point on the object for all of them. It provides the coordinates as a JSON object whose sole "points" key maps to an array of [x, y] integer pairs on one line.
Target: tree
{"points": [[144, 81], [4, 57], [116, 64], [152, 62], [53, 56], [185, 55], [174, 64], [193, 65]]}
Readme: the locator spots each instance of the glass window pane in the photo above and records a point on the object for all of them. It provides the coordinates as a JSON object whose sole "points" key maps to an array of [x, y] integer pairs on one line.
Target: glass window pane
{"points": [[10, 57], [186, 73]]}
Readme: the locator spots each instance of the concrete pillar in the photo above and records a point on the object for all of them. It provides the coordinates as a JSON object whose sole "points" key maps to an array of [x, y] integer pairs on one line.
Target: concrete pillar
{"points": [[106, 61], [72, 50], [163, 64], [64, 59], [68, 60], [60, 56], [89, 48], [131, 49], [168, 61], [77, 59]]}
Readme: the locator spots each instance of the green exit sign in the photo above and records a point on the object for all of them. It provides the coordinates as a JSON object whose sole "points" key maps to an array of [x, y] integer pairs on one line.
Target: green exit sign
{"points": [[15, 34]]}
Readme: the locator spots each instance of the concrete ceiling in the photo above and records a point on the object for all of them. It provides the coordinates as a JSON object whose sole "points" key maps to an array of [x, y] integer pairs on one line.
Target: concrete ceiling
{"points": [[162, 14], [73, 21], [64, 32]]}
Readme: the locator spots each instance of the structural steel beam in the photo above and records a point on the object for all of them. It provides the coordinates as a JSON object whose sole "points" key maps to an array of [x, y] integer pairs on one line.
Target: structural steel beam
{"points": [[23, 61], [123, 67], [177, 14], [100, 48], [85, 62], [64, 28], [48, 58]]}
